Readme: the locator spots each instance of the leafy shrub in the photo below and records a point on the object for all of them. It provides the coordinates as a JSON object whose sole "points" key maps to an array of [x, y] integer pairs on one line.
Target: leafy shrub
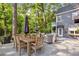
{"points": [[1, 39]]}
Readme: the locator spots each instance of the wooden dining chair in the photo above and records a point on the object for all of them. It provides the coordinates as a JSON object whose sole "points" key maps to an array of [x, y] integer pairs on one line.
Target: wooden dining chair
{"points": [[38, 44], [28, 36], [20, 44]]}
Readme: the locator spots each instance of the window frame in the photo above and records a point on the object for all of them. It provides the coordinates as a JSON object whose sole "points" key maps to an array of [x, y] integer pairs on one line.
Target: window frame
{"points": [[76, 13]]}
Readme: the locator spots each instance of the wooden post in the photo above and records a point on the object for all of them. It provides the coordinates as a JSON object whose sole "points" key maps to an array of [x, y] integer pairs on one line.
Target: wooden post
{"points": [[56, 24]]}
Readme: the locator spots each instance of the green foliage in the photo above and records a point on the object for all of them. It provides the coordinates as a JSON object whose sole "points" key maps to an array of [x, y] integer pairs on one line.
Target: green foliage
{"points": [[35, 15], [7, 17], [1, 39]]}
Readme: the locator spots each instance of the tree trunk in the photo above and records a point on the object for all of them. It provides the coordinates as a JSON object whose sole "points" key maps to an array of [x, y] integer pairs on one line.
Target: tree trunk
{"points": [[14, 21], [43, 15]]}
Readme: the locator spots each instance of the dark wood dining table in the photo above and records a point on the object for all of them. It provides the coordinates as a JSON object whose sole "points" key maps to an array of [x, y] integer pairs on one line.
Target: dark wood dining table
{"points": [[28, 41]]}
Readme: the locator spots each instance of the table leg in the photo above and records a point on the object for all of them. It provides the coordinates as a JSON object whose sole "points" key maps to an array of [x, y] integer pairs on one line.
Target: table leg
{"points": [[28, 49], [19, 48]]}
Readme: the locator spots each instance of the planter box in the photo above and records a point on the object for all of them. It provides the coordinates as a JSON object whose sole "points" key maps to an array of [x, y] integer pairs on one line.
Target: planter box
{"points": [[49, 38]]}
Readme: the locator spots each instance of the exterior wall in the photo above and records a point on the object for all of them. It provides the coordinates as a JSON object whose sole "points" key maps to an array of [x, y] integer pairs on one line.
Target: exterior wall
{"points": [[67, 20]]}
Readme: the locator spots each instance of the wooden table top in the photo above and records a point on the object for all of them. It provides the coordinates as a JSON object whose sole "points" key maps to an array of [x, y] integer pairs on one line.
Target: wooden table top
{"points": [[27, 40]]}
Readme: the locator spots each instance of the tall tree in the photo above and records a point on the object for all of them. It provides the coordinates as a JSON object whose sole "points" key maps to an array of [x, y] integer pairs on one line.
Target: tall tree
{"points": [[43, 12], [5, 26], [40, 13], [14, 22], [5, 18]]}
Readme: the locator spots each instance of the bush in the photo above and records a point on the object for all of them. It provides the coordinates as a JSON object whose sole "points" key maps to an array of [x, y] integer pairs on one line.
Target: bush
{"points": [[6, 39], [2, 39], [54, 29], [1, 32]]}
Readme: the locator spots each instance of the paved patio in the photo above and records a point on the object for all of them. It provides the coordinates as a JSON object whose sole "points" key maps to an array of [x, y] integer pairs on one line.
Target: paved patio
{"points": [[69, 47]]}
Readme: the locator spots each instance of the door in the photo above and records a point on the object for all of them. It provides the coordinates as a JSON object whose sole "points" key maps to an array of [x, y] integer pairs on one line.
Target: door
{"points": [[60, 31]]}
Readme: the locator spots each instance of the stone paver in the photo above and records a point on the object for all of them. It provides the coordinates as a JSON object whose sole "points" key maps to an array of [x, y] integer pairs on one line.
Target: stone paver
{"points": [[60, 48]]}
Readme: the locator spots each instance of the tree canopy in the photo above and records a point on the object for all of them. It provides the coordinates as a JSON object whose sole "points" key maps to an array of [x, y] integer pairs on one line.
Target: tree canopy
{"points": [[40, 14]]}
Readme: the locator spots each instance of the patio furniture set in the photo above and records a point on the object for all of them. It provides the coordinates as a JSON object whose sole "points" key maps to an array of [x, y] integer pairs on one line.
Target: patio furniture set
{"points": [[30, 42]]}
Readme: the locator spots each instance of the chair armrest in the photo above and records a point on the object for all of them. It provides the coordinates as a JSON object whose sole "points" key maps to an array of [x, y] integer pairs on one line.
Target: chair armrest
{"points": [[33, 44]]}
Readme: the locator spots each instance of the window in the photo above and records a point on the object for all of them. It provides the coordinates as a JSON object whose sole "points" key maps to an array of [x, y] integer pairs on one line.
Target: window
{"points": [[75, 17], [75, 14]]}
